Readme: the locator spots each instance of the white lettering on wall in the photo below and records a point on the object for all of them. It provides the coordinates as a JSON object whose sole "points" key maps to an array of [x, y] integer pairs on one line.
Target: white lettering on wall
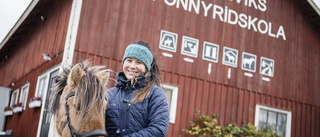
{"points": [[230, 16], [184, 4], [170, 3], [243, 20], [281, 33], [206, 8], [260, 27], [217, 10], [196, 7], [262, 5]]}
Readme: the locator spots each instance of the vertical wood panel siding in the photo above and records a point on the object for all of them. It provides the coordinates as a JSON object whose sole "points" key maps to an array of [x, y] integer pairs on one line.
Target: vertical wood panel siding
{"points": [[107, 27], [46, 37], [234, 105], [26, 122], [27, 63]]}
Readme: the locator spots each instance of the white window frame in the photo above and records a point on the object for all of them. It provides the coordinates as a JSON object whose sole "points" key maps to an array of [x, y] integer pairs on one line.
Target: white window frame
{"points": [[46, 74], [174, 100], [288, 113], [16, 99], [24, 104], [45, 85]]}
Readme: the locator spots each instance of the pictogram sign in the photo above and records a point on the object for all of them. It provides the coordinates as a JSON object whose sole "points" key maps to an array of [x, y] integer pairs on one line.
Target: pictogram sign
{"points": [[210, 52], [230, 57], [249, 62], [168, 41], [267, 66], [190, 46]]}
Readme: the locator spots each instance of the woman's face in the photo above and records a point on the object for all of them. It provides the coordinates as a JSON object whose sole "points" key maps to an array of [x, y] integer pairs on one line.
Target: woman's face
{"points": [[133, 67]]}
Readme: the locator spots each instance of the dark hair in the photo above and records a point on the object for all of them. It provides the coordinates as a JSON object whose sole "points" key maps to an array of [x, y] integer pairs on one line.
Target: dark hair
{"points": [[153, 76]]}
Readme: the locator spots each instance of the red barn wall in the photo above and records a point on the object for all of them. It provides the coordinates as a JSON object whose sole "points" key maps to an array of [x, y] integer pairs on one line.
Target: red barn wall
{"points": [[26, 63], [107, 27]]}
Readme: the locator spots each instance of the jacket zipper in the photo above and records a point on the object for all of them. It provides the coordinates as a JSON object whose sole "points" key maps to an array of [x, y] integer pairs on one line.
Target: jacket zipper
{"points": [[127, 112]]}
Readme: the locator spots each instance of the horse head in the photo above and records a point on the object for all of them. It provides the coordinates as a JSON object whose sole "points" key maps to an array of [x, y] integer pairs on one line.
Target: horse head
{"points": [[86, 106]]}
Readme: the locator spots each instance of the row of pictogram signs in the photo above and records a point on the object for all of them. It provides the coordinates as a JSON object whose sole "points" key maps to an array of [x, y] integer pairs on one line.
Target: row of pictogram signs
{"points": [[190, 46]]}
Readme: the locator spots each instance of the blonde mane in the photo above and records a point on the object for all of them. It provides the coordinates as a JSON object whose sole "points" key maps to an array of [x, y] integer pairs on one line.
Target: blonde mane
{"points": [[87, 107]]}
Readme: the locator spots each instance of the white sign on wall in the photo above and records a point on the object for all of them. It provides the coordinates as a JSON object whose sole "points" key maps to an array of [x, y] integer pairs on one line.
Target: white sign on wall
{"points": [[168, 41], [210, 52], [267, 66], [190, 46], [230, 57], [249, 62]]}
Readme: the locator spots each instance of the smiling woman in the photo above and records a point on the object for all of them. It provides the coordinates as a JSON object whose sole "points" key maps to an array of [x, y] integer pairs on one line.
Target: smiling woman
{"points": [[133, 67], [136, 60], [10, 12], [137, 106]]}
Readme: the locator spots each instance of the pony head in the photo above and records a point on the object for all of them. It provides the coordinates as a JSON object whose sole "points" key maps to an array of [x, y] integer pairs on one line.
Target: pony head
{"points": [[80, 71], [89, 84]]}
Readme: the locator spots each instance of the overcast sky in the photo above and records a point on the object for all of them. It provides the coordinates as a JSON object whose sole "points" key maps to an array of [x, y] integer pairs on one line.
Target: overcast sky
{"points": [[317, 3], [11, 10]]}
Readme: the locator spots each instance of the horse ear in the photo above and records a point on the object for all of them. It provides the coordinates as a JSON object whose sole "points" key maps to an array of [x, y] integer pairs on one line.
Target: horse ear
{"points": [[105, 77], [75, 76]]}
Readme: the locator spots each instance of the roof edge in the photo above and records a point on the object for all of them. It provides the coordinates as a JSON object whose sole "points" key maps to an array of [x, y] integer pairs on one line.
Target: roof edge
{"points": [[19, 22], [314, 6]]}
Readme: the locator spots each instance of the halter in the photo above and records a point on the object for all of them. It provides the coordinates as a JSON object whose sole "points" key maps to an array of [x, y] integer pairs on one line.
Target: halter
{"points": [[73, 132]]}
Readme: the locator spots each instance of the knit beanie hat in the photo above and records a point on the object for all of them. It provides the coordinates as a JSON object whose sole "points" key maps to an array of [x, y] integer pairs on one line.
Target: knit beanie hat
{"points": [[139, 52]]}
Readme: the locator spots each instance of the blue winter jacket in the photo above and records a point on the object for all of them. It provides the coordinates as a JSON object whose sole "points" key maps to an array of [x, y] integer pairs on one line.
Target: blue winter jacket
{"points": [[149, 118]]}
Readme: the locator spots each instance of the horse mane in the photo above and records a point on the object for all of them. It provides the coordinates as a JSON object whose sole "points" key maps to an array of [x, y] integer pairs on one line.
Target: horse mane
{"points": [[57, 89], [89, 87]]}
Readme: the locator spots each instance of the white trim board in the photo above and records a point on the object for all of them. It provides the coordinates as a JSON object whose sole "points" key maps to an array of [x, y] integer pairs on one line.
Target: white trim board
{"points": [[315, 6], [68, 50], [174, 101], [72, 33]]}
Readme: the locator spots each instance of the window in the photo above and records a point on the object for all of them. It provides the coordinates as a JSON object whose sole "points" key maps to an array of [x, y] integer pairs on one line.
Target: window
{"points": [[172, 98], [14, 97], [41, 86], [277, 119], [24, 95]]}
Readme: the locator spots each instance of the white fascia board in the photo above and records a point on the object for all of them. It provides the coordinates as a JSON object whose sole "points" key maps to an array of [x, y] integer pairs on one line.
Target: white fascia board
{"points": [[19, 22], [314, 6]]}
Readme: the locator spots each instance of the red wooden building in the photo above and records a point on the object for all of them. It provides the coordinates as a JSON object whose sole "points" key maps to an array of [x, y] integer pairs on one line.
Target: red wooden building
{"points": [[248, 60]]}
